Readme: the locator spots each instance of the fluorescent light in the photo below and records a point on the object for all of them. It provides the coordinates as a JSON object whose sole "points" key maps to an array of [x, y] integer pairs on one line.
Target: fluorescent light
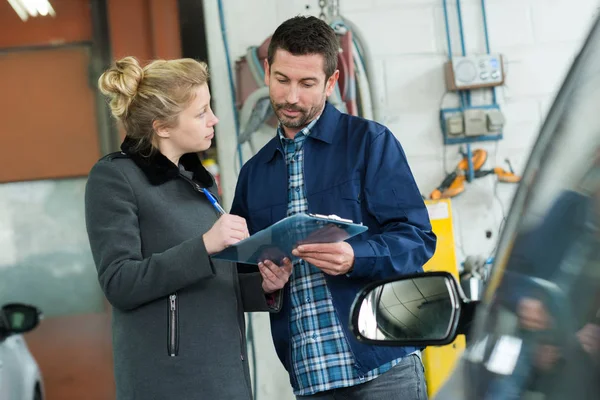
{"points": [[21, 12], [43, 7], [32, 8]]}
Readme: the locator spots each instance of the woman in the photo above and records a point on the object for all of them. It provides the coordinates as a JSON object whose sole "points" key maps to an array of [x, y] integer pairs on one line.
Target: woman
{"points": [[178, 322]]}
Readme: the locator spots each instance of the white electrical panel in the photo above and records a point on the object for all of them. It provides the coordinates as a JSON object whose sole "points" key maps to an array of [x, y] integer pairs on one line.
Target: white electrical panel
{"points": [[474, 71]]}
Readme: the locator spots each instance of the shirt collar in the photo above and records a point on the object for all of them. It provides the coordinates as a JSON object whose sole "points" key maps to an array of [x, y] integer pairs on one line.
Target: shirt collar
{"points": [[327, 128], [304, 131]]}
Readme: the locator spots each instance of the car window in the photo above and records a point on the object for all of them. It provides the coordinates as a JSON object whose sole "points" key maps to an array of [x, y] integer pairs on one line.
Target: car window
{"points": [[538, 330]]}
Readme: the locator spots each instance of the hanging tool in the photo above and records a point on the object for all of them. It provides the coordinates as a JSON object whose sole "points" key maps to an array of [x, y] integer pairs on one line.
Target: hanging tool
{"points": [[454, 183], [502, 174], [443, 191]]}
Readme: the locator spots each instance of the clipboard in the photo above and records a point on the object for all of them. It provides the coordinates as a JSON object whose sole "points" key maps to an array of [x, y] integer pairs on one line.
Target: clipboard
{"points": [[277, 241]]}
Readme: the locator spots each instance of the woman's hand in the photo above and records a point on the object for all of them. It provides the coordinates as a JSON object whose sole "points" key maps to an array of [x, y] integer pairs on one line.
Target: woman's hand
{"points": [[275, 277], [229, 229]]}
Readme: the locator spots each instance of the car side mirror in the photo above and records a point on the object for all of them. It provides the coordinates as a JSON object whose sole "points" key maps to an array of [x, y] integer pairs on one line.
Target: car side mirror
{"points": [[415, 310], [21, 318]]}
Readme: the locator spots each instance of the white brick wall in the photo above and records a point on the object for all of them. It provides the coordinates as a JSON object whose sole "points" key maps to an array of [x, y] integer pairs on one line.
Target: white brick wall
{"points": [[407, 39], [561, 21], [415, 23]]}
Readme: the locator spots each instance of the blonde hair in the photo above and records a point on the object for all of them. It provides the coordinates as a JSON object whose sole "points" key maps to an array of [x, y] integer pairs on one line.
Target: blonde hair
{"points": [[160, 91]]}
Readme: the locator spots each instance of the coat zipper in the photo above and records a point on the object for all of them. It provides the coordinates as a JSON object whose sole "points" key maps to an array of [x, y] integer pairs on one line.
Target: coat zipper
{"points": [[236, 288], [242, 344], [237, 307], [173, 336], [173, 310]]}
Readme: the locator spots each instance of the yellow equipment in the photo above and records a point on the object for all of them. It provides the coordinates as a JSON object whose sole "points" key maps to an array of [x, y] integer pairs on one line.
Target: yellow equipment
{"points": [[439, 361]]}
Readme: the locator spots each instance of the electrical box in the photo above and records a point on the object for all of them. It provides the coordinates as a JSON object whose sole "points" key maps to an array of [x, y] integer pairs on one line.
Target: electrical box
{"points": [[475, 122], [474, 72], [495, 120], [472, 124], [455, 125]]}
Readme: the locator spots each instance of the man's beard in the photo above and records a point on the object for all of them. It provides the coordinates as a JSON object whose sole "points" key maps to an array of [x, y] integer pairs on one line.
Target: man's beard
{"points": [[304, 117]]}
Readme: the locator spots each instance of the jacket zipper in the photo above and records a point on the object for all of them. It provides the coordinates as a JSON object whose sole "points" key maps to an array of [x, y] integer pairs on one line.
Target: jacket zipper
{"points": [[236, 288], [237, 306], [173, 336], [241, 343]]}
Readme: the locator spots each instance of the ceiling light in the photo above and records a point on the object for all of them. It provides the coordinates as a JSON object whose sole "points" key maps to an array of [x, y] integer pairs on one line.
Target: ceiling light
{"points": [[31, 8]]}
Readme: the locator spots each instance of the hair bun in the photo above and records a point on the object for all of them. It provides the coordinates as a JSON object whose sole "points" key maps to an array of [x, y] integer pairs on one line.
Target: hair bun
{"points": [[120, 83]]}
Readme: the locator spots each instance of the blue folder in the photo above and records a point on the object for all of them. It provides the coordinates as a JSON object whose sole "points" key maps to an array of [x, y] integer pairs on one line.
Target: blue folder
{"points": [[277, 241]]}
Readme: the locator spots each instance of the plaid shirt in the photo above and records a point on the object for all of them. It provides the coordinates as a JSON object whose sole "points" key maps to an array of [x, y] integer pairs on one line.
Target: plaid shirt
{"points": [[321, 356]]}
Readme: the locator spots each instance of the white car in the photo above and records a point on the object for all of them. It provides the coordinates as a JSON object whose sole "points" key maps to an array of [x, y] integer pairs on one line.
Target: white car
{"points": [[20, 377]]}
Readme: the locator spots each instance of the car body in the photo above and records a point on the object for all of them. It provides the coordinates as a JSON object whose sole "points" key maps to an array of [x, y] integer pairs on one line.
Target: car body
{"points": [[20, 377], [536, 331]]}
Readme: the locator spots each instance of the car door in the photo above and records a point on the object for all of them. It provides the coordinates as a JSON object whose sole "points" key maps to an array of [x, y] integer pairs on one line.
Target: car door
{"points": [[537, 331], [5, 383], [17, 372], [14, 368], [3, 391]]}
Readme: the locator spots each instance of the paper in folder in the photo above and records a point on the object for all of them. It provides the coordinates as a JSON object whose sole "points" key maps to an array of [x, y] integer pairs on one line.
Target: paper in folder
{"points": [[277, 241]]}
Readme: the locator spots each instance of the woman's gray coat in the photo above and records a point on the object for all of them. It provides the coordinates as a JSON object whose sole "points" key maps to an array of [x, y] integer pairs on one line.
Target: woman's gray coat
{"points": [[178, 322]]}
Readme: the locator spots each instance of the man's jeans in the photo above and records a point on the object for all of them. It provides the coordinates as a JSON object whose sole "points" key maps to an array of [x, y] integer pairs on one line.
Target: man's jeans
{"points": [[406, 381]]}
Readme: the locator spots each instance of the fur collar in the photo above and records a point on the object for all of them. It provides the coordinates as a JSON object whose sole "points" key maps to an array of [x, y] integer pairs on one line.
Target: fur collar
{"points": [[159, 169]]}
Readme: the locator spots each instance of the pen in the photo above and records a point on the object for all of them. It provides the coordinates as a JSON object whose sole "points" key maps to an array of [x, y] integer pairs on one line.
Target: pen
{"points": [[213, 201]]}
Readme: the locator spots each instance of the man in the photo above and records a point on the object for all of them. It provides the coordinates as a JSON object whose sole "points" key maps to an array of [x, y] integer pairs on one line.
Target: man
{"points": [[322, 161]]}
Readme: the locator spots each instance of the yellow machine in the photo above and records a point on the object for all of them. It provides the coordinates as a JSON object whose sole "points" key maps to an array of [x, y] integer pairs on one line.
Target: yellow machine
{"points": [[439, 361]]}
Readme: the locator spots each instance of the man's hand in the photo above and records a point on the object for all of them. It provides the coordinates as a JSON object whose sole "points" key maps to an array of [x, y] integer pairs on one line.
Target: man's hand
{"points": [[589, 337], [274, 277], [331, 258]]}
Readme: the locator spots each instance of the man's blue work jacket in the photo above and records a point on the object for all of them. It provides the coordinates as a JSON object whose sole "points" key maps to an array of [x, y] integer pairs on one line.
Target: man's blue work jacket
{"points": [[355, 169]]}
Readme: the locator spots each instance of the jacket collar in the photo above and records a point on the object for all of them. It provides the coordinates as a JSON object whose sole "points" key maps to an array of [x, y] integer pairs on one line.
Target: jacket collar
{"points": [[159, 169], [324, 130]]}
